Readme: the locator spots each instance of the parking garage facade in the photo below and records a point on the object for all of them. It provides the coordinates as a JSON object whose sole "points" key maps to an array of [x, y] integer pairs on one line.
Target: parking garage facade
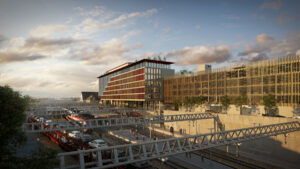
{"points": [[278, 76]]}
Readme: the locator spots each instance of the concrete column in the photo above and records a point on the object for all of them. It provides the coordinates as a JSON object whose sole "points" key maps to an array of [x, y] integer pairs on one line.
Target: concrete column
{"points": [[62, 162], [81, 160], [215, 125]]}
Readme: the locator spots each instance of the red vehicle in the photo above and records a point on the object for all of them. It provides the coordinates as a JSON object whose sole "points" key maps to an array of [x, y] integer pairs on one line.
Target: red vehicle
{"points": [[75, 117]]}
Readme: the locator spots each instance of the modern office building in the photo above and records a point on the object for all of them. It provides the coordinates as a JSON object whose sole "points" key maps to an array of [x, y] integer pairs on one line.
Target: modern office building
{"points": [[278, 76], [135, 84]]}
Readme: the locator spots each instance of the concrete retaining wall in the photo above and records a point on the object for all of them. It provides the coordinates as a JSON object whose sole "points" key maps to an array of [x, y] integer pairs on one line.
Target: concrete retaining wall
{"points": [[278, 150], [286, 111]]}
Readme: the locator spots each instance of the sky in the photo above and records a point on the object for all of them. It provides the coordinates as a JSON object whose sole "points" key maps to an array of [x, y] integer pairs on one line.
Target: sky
{"points": [[58, 48]]}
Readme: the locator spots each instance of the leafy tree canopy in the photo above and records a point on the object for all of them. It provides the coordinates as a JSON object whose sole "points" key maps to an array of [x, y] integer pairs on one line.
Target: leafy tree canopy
{"points": [[225, 101], [241, 100], [269, 102], [12, 116], [184, 71], [176, 104]]}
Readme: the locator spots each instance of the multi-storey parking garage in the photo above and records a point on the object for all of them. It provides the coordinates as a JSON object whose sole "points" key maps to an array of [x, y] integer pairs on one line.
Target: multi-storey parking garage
{"points": [[278, 76]]}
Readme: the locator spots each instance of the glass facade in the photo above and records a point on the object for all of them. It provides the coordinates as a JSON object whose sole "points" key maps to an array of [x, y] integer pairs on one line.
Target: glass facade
{"points": [[140, 81]]}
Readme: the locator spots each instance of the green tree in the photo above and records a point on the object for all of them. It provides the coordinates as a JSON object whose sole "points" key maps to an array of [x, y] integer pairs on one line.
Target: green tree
{"points": [[270, 104], [176, 104], [225, 101], [12, 117], [158, 57], [13, 106], [193, 101], [184, 71], [240, 101], [188, 103], [200, 100]]}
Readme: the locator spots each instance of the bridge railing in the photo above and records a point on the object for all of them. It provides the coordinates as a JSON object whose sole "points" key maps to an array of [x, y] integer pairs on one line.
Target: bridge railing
{"points": [[168, 147], [111, 122]]}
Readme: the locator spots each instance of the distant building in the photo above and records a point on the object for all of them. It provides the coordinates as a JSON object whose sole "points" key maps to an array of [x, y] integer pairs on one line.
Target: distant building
{"points": [[204, 67], [89, 96], [138, 84]]}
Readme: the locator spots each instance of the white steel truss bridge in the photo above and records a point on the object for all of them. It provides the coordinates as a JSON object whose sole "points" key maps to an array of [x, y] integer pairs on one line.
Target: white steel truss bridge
{"points": [[59, 111], [168, 147], [112, 122]]}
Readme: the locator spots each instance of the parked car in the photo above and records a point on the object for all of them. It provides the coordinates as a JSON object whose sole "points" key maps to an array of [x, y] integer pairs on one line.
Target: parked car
{"points": [[86, 137], [41, 119], [75, 134], [97, 143], [47, 122]]}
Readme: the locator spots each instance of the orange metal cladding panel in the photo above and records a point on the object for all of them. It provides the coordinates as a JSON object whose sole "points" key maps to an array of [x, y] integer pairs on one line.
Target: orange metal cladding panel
{"points": [[127, 86]]}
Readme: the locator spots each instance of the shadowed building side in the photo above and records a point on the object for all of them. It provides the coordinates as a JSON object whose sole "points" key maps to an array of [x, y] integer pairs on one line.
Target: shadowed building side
{"points": [[89, 96]]}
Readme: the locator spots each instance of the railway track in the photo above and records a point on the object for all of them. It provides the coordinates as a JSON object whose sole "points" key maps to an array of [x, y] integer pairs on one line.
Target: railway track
{"points": [[156, 164], [219, 156], [212, 154], [215, 155]]}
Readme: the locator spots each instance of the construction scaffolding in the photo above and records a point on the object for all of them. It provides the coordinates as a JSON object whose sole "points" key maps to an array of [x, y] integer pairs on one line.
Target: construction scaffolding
{"points": [[278, 76]]}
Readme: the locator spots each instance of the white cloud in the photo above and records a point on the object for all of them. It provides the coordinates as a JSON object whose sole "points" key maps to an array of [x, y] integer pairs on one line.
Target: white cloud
{"points": [[143, 14], [10, 56], [263, 38], [20, 49], [16, 42], [2, 38], [54, 63], [130, 34], [149, 54], [271, 5], [48, 45], [61, 80], [47, 30], [109, 52], [200, 54], [97, 11], [90, 24], [137, 46], [266, 45]]}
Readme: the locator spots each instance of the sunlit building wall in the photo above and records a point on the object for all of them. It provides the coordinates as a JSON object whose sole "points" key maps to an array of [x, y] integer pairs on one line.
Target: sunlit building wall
{"points": [[278, 76]]}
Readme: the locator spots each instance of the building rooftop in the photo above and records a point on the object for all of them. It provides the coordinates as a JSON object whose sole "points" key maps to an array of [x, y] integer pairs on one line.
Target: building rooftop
{"points": [[128, 64]]}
